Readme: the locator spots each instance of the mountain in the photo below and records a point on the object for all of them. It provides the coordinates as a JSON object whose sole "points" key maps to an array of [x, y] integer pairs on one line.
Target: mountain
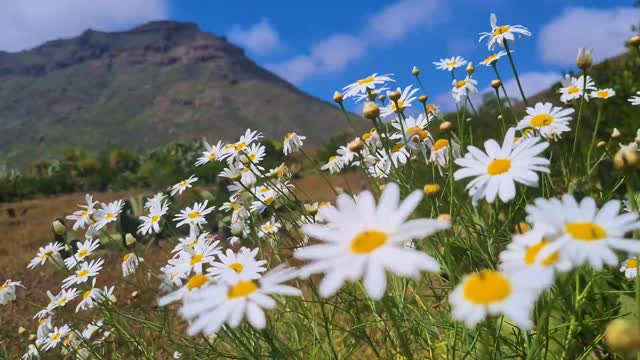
{"points": [[142, 88]]}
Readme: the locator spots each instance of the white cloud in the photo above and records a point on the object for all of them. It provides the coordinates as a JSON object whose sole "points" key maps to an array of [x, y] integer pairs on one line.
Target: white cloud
{"points": [[604, 30], [335, 52], [28, 23], [260, 38]]}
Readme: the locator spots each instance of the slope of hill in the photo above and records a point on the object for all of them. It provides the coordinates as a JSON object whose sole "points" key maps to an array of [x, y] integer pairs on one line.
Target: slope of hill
{"points": [[144, 87]]}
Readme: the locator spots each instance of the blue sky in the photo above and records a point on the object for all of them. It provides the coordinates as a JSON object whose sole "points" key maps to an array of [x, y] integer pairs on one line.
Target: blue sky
{"points": [[322, 46]]}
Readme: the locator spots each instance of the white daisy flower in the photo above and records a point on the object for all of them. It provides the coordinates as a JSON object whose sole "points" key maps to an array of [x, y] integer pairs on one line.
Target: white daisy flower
{"points": [[193, 259], [493, 58], [32, 352], [348, 156], [362, 240], [292, 142], [210, 307], [602, 94], [50, 252], [195, 282], [497, 171], [183, 185], [630, 268], [171, 278], [572, 88], [45, 326], [85, 249], [406, 98], [8, 291], [89, 299], [415, 134], [130, 262], [211, 153], [269, 228], [491, 292], [585, 234], [151, 222], [501, 33], [107, 213], [253, 154], [156, 201], [280, 171], [361, 86], [635, 100], [233, 267], [334, 165], [451, 63], [61, 300], [462, 88], [55, 337], [399, 155], [264, 198], [84, 273], [549, 120], [194, 216], [82, 218], [440, 153]]}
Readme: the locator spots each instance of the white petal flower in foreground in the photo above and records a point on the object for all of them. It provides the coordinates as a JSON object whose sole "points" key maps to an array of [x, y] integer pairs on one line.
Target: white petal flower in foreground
{"points": [[212, 153], [85, 249], [493, 58], [491, 292], [130, 262], [549, 120], [82, 218], [497, 170], [240, 266], [361, 86], [195, 282], [211, 306], [406, 98], [451, 63], [585, 234], [86, 271], [50, 251], [194, 216], [55, 337], [292, 143], [108, 213], [462, 88], [363, 240], [501, 33], [572, 88]]}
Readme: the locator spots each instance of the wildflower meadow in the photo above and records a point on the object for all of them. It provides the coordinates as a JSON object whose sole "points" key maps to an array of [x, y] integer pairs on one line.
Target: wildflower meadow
{"points": [[514, 239]]}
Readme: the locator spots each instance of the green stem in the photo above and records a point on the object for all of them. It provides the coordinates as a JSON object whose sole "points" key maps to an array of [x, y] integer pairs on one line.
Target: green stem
{"points": [[593, 138], [577, 132], [515, 72]]}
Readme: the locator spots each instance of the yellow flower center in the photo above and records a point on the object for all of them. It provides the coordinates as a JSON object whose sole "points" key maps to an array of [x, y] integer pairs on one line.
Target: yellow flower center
{"points": [[461, 83], [3, 286], [82, 273], [86, 294], [269, 200], [252, 157], [288, 136], [602, 94], [126, 257], [85, 213], [500, 30], [237, 267], [82, 253], [183, 183], [212, 155], [55, 337], [242, 289], [396, 148], [418, 132], [573, 90], [63, 300], [632, 264], [109, 216], [366, 136], [194, 215], [499, 166], [367, 241], [155, 219], [195, 259], [196, 281], [452, 63], [240, 146], [440, 144], [400, 105], [532, 252], [541, 120], [490, 58], [585, 231], [332, 158], [486, 287], [366, 80]]}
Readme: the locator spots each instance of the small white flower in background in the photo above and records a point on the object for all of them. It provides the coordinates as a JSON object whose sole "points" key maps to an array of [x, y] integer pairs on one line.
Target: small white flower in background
{"points": [[183, 185], [489, 292], [195, 282], [108, 213], [193, 259], [82, 218], [440, 153], [194, 216], [264, 198], [85, 249], [55, 337], [211, 306], [399, 155], [635, 100], [50, 251], [292, 143], [269, 228], [362, 240], [549, 120], [451, 63], [32, 352], [171, 278], [369, 83], [496, 171], [130, 262], [58, 301], [45, 326], [615, 133], [8, 291], [89, 298], [572, 88], [211, 153], [347, 155], [280, 171], [602, 94], [415, 133], [462, 88], [84, 273], [177, 355], [252, 155], [406, 98], [501, 33], [156, 201], [334, 165], [151, 222], [493, 58], [630, 268], [585, 234], [233, 267]]}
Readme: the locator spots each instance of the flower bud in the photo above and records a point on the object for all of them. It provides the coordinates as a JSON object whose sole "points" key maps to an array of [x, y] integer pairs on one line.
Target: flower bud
{"points": [[634, 40], [601, 144], [129, 239], [495, 84], [338, 97], [382, 98], [32, 337], [622, 336], [356, 145], [432, 189], [470, 69], [521, 228], [627, 157], [381, 187], [59, 228], [312, 209], [444, 217], [615, 133], [371, 111], [236, 228], [394, 95], [445, 126], [468, 120], [21, 330], [585, 58], [415, 71], [423, 98]]}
